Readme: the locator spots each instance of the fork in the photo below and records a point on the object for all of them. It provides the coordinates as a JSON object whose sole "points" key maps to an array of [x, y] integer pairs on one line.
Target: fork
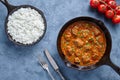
{"points": [[45, 66]]}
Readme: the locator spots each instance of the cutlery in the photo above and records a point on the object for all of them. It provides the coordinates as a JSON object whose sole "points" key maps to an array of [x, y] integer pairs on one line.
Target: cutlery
{"points": [[45, 66], [53, 63]]}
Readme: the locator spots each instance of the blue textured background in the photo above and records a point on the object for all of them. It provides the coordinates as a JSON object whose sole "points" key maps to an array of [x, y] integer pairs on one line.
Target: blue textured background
{"points": [[20, 63]]}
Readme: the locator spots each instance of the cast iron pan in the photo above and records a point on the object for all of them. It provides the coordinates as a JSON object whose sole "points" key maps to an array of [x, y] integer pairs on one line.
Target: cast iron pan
{"points": [[105, 60], [11, 9]]}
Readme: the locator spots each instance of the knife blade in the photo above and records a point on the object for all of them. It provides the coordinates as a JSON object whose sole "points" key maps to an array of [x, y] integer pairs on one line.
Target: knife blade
{"points": [[53, 63]]}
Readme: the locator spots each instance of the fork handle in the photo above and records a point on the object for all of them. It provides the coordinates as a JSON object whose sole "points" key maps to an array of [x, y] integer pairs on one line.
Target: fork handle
{"points": [[50, 74]]}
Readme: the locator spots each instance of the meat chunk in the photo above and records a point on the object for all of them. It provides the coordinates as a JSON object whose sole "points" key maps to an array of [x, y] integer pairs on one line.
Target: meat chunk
{"points": [[75, 30], [100, 39], [96, 31], [95, 56], [69, 51], [87, 46], [91, 39], [86, 58], [77, 60], [78, 53], [67, 36], [78, 42], [85, 33], [94, 50]]}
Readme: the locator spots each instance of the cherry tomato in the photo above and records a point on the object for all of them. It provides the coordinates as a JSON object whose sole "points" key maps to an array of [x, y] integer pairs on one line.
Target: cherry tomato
{"points": [[109, 13], [105, 0], [116, 19], [110, 0], [102, 8], [117, 9], [112, 4], [94, 3]]}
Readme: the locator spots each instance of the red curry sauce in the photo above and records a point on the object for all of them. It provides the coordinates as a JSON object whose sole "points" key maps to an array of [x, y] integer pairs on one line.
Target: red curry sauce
{"points": [[83, 43]]}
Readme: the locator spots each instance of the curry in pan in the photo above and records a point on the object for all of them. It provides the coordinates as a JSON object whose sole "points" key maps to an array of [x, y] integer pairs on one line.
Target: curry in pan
{"points": [[83, 43]]}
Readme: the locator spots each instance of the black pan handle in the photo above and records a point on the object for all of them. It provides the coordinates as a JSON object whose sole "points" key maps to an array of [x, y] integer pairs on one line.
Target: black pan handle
{"points": [[115, 67], [8, 5]]}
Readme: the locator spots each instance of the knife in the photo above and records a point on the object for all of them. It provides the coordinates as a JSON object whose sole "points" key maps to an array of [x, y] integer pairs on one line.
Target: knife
{"points": [[53, 63]]}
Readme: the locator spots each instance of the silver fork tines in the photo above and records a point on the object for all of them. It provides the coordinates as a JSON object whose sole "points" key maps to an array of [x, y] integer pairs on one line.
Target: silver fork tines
{"points": [[42, 62], [45, 66]]}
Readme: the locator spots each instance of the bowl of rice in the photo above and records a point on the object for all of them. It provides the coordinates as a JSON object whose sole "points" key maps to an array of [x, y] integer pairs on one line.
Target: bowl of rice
{"points": [[26, 25]]}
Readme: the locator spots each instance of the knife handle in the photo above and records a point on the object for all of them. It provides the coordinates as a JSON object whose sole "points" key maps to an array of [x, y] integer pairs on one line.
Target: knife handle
{"points": [[60, 74]]}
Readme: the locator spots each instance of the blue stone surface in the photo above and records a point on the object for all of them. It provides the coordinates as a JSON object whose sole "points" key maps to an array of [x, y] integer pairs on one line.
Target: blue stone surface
{"points": [[21, 63]]}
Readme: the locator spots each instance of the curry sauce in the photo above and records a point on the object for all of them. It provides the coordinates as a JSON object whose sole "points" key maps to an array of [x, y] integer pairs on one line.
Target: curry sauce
{"points": [[83, 43]]}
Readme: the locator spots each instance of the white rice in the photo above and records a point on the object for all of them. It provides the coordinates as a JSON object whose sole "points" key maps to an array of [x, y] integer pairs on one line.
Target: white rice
{"points": [[25, 25]]}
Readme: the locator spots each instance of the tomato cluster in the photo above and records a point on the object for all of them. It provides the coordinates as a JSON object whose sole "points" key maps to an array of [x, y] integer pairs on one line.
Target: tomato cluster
{"points": [[107, 7]]}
